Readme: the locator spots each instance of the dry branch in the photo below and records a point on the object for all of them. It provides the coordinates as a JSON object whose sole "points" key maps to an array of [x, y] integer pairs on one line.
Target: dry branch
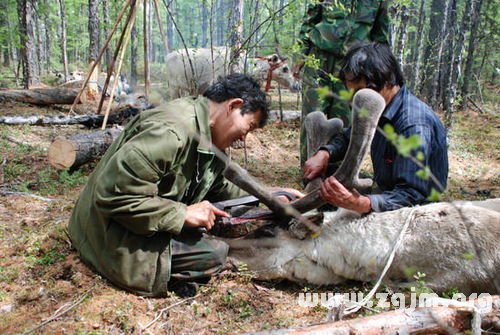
{"points": [[428, 320]]}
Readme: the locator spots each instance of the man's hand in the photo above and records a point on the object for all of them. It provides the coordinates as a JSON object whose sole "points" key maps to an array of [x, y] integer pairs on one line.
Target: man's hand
{"points": [[202, 215], [335, 193], [316, 165]]}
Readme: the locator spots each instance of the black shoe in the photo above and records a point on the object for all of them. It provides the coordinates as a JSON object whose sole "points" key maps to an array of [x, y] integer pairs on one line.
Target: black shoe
{"points": [[184, 289]]}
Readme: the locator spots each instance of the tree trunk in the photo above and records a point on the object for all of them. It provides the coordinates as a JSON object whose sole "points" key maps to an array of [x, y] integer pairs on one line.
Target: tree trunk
{"points": [[40, 96], [447, 52], [106, 24], [170, 26], [89, 121], [93, 29], [402, 32], [434, 87], [92, 89], [64, 52], [4, 22], [39, 42], [146, 42], [221, 22], [470, 53], [235, 38], [255, 27], [204, 24], [81, 148], [454, 76], [48, 44], [133, 56], [431, 48], [424, 320], [28, 50]]}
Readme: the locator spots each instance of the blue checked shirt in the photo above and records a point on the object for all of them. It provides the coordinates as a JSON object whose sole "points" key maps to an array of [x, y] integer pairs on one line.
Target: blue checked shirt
{"points": [[396, 176]]}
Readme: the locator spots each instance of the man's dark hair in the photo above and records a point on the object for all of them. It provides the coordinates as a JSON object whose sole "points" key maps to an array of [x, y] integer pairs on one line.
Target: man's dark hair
{"points": [[241, 86], [373, 62]]}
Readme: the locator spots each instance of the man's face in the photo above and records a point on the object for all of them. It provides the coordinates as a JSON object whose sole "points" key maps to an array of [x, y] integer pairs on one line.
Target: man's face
{"points": [[354, 85], [235, 127]]}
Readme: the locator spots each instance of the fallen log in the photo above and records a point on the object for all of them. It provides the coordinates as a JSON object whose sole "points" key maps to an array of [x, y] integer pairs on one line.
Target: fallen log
{"points": [[73, 152], [424, 320], [90, 121], [40, 96]]}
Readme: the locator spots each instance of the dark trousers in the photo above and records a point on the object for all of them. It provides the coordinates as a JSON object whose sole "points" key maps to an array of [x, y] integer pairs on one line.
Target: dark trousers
{"points": [[196, 257]]}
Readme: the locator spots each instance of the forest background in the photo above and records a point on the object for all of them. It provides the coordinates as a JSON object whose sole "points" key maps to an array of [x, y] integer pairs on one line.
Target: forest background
{"points": [[448, 48], [450, 55]]}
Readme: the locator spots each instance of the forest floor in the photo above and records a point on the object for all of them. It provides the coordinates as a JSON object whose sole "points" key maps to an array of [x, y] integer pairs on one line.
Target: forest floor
{"points": [[45, 288]]}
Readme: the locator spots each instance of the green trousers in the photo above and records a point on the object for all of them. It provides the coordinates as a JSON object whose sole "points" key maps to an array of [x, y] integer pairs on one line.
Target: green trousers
{"points": [[196, 257]]}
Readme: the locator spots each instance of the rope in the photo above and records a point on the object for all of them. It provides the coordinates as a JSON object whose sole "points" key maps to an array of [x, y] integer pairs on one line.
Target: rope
{"points": [[366, 299]]}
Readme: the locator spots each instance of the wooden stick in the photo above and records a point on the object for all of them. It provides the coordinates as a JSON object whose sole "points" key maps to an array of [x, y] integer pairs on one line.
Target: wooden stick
{"points": [[115, 56], [99, 57], [164, 37], [128, 29], [61, 311]]}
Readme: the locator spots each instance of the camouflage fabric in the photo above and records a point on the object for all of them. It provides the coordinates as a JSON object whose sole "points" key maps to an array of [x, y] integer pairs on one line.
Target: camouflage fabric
{"points": [[329, 29]]}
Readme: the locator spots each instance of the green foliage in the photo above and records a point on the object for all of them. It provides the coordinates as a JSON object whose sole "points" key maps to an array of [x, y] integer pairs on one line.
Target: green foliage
{"points": [[404, 145], [49, 258], [449, 293], [435, 196], [469, 256], [346, 95], [421, 285]]}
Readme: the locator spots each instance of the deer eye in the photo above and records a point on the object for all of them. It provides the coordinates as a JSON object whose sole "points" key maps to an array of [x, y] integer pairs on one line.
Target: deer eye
{"points": [[275, 58], [285, 69]]}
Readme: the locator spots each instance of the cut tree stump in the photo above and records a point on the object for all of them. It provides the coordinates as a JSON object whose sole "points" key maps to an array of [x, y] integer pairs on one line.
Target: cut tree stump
{"points": [[40, 96], [424, 320], [73, 152]]}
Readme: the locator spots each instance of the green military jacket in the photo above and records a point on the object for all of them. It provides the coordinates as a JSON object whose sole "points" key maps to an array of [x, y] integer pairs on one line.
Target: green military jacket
{"points": [[331, 27], [136, 198]]}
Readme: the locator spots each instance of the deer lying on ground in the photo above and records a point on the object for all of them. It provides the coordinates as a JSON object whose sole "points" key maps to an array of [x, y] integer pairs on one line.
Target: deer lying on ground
{"points": [[456, 245], [208, 64]]}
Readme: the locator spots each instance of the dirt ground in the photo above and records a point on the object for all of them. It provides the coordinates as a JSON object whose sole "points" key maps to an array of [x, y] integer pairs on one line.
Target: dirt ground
{"points": [[45, 289]]}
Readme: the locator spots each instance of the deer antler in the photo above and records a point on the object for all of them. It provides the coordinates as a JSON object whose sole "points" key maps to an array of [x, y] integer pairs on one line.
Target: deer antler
{"points": [[367, 108]]}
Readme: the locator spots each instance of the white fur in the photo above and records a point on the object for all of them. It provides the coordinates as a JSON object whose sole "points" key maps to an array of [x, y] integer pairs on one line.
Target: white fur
{"points": [[208, 65], [438, 242]]}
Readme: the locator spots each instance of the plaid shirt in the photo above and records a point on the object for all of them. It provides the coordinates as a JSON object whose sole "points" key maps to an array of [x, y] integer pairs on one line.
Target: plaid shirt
{"points": [[395, 175]]}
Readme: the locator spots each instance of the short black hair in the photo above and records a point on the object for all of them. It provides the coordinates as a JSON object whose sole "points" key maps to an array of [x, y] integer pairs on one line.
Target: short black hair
{"points": [[241, 86], [373, 62]]}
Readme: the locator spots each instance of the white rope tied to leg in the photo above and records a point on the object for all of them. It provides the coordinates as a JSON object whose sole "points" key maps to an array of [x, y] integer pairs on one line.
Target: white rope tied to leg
{"points": [[366, 299]]}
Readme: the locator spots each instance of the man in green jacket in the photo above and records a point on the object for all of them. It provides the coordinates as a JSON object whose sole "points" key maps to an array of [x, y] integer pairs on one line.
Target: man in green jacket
{"points": [[158, 180], [329, 29]]}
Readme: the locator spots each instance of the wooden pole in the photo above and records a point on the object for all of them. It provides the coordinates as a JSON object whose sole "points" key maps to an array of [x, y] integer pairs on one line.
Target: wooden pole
{"points": [[120, 16], [115, 56], [164, 37], [128, 29]]}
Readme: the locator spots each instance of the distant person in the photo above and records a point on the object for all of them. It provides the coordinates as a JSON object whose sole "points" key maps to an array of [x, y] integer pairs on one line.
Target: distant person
{"points": [[372, 65], [137, 220], [328, 30]]}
